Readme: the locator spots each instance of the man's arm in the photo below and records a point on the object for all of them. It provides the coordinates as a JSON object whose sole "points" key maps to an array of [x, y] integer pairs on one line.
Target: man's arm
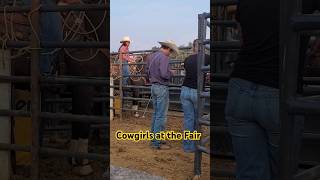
{"points": [[165, 71]]}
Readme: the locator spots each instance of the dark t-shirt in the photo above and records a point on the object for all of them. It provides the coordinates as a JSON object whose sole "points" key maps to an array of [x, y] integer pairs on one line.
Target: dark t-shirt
{"points": [[190, 66], [258, 60]]}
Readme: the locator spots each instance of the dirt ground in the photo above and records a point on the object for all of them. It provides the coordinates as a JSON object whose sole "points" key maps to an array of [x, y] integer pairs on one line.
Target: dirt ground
{"points": [[173, 164]]}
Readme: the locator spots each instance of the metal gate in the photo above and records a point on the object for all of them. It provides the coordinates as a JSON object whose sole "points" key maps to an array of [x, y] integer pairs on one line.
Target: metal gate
{"points": [[203, 93], [294, 108], [36, 80]]}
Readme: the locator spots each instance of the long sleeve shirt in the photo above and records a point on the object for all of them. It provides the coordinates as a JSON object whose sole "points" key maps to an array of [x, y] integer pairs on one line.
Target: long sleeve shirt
{"points": [[158, 68], [191, 67], [123, 53]]}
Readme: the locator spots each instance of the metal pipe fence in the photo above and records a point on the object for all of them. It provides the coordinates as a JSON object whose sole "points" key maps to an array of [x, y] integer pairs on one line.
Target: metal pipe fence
{"points": [[35, 80], [175, 84], [202, 93]]}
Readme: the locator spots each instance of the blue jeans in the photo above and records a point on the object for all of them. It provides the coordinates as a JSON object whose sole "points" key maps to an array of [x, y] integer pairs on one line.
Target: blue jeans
{"points": [[189, 100], [125, 73], [50, 30], [160, 100], [252, 112]]}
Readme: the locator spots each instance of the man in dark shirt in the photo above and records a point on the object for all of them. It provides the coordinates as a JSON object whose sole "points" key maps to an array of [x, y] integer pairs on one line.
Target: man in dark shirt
{"points": [[159, 74], [252, 108], [188, 95]]}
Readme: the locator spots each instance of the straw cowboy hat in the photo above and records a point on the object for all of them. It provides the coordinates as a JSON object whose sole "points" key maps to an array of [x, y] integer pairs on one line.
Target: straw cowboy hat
{"points": [[170, 44], [125, 39]]}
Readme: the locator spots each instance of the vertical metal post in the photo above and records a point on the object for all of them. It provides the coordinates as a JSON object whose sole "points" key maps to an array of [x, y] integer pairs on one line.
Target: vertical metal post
{"points": [[200, 104], [121, 89], [219, 38], [35, 88], [289, 55], [5, 123]]}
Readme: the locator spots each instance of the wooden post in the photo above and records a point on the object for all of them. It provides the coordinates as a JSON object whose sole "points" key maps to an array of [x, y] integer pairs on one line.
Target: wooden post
{"points": [[5, 125]]}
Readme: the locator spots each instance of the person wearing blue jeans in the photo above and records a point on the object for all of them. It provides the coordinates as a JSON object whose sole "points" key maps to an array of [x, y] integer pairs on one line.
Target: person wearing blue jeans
{"points": [[159, 73], [160, 102], [189, 96], [252, 106], [125, 58], [252, 113], [189, 100], [125, 73]]}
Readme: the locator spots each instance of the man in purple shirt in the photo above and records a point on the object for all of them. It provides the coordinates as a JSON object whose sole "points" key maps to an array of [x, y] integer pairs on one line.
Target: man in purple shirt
{"points": [[159, 74]]}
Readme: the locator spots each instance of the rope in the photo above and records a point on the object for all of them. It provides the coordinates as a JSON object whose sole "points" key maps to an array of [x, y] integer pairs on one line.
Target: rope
{"points": [[78, 32], [73, 31], [31, 25], [134, 69]]}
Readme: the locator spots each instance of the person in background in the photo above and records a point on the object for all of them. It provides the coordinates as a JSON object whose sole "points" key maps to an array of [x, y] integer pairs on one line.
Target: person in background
{"points": [[188, 94], [159, 74], [125, 58], [252, 107]]}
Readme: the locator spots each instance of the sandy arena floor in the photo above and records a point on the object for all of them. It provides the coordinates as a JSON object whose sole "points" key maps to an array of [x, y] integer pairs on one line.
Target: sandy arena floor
{"points": [[172, 164]]}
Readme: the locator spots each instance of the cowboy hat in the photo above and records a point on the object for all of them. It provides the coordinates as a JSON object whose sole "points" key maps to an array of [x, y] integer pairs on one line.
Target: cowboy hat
{"points": [[170, 44], [125, 39]]}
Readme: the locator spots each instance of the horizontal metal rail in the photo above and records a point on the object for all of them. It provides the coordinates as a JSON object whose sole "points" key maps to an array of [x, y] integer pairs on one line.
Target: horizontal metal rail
{"points": [[173, 61], [306, 22], [57, 44], [223, 173], [54, 152], [311, 80], [224, 2], [56, 116], [226, 45], [304, 106], [147, 51], [226, 23], [224, 77], [69, 100], [149, 112], [148, 86], [59, 80], [225, 50], [171, 87], [311, 90], [56, 8], [145, 75], [147, 99], [68, 127]]}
